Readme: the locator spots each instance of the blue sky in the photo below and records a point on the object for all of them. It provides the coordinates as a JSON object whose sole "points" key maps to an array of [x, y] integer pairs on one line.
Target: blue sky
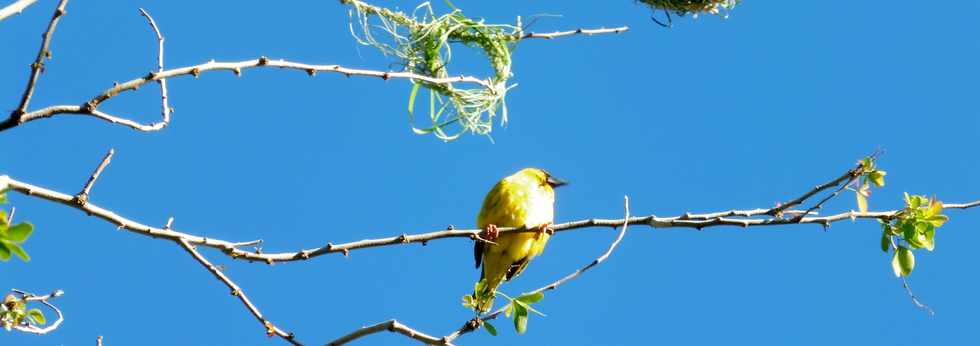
{"points": [[710, 115]]}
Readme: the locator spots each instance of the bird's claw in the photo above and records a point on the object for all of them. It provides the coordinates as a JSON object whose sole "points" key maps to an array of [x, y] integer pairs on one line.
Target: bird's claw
{"points": [[547, 228], [490, 233]]}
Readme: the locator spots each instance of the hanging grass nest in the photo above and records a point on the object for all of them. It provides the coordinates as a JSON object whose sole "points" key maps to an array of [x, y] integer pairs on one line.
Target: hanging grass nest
{"points": [[694, 7], [423, 42]]}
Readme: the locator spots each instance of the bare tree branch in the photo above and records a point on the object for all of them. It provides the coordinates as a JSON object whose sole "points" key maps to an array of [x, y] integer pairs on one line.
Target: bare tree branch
{"points": [[38, 66], [556, 34], [741, 218], [32, 329], [89, 108], [15, 8], [390, 326], [236, 291]]}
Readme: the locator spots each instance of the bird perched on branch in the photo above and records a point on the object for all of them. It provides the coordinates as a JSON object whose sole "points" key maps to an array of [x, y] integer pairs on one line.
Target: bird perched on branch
{"points": [[525, 199]]}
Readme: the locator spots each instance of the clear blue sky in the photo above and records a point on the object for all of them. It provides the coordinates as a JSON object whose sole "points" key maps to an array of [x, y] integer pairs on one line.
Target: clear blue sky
{"points": [[710, 115]]}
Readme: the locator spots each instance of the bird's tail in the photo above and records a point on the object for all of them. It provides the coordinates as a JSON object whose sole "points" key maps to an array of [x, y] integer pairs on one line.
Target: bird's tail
{"points": [[484, 292]]}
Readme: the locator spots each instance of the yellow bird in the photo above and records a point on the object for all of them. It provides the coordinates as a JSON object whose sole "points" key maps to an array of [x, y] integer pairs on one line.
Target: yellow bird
{"points": [[524, 199]]}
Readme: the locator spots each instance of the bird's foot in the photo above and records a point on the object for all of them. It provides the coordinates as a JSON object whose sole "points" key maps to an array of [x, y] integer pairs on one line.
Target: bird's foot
{"points": [[490, 233], [546, 228]]}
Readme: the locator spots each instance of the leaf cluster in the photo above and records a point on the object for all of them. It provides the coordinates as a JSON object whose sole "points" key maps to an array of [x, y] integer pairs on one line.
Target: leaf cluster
{"points": [[14, 312], [12, 236], [518, 307], [914, 227]]}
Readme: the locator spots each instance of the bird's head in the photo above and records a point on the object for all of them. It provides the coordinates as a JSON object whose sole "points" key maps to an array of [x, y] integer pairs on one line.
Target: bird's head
{"points": [[540, 177]]}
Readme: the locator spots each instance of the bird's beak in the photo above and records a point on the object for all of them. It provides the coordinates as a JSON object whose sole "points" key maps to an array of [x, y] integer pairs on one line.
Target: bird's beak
{"points": [[555, 182]]}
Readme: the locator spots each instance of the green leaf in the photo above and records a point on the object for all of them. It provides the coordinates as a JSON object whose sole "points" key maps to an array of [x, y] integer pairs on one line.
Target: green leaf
{"points": [[19, 251], [877, 178], [937, 220], [19, 232], [3, 218], [509, 309], [520, 323], [528, 307], [911, 201], [896, 267], [868, 164], [886, 243], [862, 201], [490, 328], [913, 234], [918, 201], [468, 302], [37, 316], [531, 298], [520, 318], [4, 252], [929, 241], [908, 233], [935, 208], [905, 260]]}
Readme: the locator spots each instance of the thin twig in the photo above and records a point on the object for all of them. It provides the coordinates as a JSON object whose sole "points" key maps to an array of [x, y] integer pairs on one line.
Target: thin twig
{"points": [[847, 176], [236, 291], [473, 324], [32, 329], [390, 326], [82, 196], [915, 299], [615, 243], [15, 8], [556, 34], [43, 53]]}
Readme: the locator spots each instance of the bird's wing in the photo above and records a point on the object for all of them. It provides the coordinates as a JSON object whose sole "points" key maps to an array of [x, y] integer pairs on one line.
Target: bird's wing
{"points": [[490, 204]]}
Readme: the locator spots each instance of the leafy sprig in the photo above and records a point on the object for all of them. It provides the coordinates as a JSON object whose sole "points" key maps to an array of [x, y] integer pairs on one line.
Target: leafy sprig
{"points": [[870, 175], [12, 236], [518, 307], [914, 227], [14, 312]]}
